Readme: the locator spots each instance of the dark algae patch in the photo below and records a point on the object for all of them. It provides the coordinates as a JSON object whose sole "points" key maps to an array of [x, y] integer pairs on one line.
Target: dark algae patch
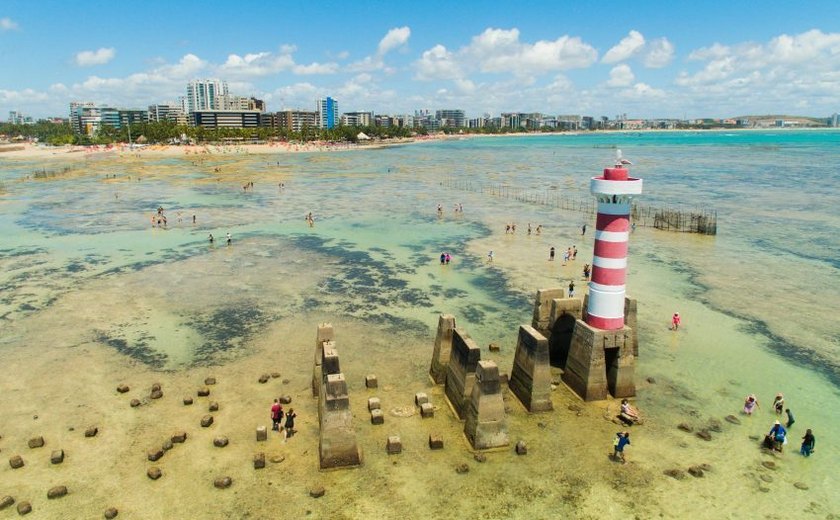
{"points": [[139, 349], [225, 331]]}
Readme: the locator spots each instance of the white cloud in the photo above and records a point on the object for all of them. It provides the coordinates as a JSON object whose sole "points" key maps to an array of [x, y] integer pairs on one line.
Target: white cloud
{"points": [[316, 68], [97, 57], [501, 51], [438, 63], [7, 24], [621, 76], [658, 53], [626, 48], [394, 38], [256, 64]]}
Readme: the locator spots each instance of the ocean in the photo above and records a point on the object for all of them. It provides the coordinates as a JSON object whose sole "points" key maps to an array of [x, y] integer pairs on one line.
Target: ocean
{"points": [[92, 289]]}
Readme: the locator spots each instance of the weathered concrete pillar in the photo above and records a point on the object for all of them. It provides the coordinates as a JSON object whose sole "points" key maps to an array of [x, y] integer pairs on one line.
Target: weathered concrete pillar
{"points": [[530, 379], [443, 348], [337, 443], [542, 308], [600, 362], [325, 333], [460, 374], [631, 321], [486, 423], [564, 313]]}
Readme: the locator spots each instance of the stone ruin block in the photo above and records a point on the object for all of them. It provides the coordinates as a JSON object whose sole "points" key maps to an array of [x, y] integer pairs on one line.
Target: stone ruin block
{"points": [[530, 379], [337, 444], [601, 362], [259, 461], [324, 333], [420, 398], [374, 404], [435, 442], [371, 381], [443, 348], [427, 410], [542, 308], [460, 375], [329, 362], [57, 457], [393, 445], [486, 422], [564, 314], [377, 416], [262, 433]]}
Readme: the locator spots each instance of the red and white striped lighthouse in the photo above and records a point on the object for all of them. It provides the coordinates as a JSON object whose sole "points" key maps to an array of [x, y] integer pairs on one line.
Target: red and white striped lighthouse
{"points": [[614, 191]]}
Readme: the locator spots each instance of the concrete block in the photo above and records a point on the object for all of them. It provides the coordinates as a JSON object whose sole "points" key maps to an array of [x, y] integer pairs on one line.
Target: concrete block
{"points": [[377, 417], [262, 433], [435, 442], [374, 404], [443, 348], [420, 398], [427, 410], [393, 445], [371, 381]]}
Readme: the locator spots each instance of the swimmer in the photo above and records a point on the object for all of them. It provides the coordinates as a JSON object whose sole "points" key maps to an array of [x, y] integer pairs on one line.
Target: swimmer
{"points": [[211, 238], [490, 256], [750, 404], [228, 239]]}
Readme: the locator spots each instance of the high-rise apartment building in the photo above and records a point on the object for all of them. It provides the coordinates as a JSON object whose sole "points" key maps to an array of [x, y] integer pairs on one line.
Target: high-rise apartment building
{"points": [[170, 112], [327, 109], [357, 118], [205, 94], [453, 118]]}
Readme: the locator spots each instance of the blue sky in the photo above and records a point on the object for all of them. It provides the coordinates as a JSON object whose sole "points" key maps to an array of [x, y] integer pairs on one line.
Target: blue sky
{"points": [[645, 59]]}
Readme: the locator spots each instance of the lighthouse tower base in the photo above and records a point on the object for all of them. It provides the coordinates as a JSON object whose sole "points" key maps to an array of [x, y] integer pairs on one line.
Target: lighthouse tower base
{"points": [[600, 362]]}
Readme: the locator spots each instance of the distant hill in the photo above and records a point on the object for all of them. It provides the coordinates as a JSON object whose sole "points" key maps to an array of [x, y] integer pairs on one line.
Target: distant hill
{"points": [[773, 117]]}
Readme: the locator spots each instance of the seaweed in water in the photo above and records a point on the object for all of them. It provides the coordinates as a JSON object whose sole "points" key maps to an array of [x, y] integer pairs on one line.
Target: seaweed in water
{"points": [[138, 350], [227, 329]]}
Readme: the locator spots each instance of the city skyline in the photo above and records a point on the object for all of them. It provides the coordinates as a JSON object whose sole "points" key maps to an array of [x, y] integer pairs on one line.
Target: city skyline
{"points": [[648, 60]]}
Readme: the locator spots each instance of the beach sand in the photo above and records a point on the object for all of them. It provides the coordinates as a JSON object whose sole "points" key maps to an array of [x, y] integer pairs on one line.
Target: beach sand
{"points": [[236, 313]]}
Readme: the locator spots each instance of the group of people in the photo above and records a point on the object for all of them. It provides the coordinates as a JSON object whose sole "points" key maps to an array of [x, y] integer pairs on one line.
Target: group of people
{"points": [[212, 240], [159, 218], [445, 258], [277, 416], [458, 208], [569, 254], [777, 437]]}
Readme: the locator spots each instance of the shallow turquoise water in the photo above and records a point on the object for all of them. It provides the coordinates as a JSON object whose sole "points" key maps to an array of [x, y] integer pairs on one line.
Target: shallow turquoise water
{"points": [[757, 300]]}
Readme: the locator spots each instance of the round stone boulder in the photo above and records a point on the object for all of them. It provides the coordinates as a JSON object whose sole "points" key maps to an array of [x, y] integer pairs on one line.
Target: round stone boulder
{"points": [[57, 492], [801, 485], [223, 482], [220, 442], [206, 421], [203, 392], [155, 454], [154, 473], [134, 403], [731, 419], [213, 407], [188, 401], [210, 380], [285, 399], [24, 508], [179, 437], [123, 388], [167, 445], [156, 394], [462, 468], [317, 491], [264, 378], [111, 512], [36, 442], [156, 387], [6, 501], [16, 462], [675, 473], [704, 434]]}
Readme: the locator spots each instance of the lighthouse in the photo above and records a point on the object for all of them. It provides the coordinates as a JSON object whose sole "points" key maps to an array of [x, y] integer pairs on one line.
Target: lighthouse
{"points": [[613, 190], [602, 350]]}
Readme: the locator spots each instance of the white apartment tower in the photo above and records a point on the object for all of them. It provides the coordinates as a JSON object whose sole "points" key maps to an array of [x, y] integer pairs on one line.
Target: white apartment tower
{"points": [[205, 94]]}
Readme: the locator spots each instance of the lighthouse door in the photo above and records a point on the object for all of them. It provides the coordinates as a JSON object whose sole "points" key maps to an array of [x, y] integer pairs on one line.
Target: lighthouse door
{"points": [[611, 364]]}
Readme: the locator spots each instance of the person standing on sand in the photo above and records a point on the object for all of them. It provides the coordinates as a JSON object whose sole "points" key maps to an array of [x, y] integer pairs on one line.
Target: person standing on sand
{"points": [[622, 440], [442, 258], [790, 419], [228, 239], [583, 230], [778, 434], [571, 289], [276, 411], [211, 238], [675, 321], [290, 423], [551, 254], [490, 256]]}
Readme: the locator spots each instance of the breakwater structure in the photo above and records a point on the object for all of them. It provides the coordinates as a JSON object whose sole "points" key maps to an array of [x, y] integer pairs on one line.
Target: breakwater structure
{"points": [[698, 220]]}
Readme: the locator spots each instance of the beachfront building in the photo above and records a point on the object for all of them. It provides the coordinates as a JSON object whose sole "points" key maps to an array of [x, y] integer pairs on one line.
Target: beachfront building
{"points": [[357, 119], [452, 118], [292, 120], [170, 112], [215, 119], [88, 118], [205, 94], [327, 109], [17, 118]]}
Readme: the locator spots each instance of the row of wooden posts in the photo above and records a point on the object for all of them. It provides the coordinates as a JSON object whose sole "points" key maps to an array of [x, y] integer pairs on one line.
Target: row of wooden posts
{"points": [[703, 221]]}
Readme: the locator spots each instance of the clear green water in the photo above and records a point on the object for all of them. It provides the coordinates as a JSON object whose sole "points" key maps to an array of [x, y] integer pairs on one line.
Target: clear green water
{"points": [[758, 300]]}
